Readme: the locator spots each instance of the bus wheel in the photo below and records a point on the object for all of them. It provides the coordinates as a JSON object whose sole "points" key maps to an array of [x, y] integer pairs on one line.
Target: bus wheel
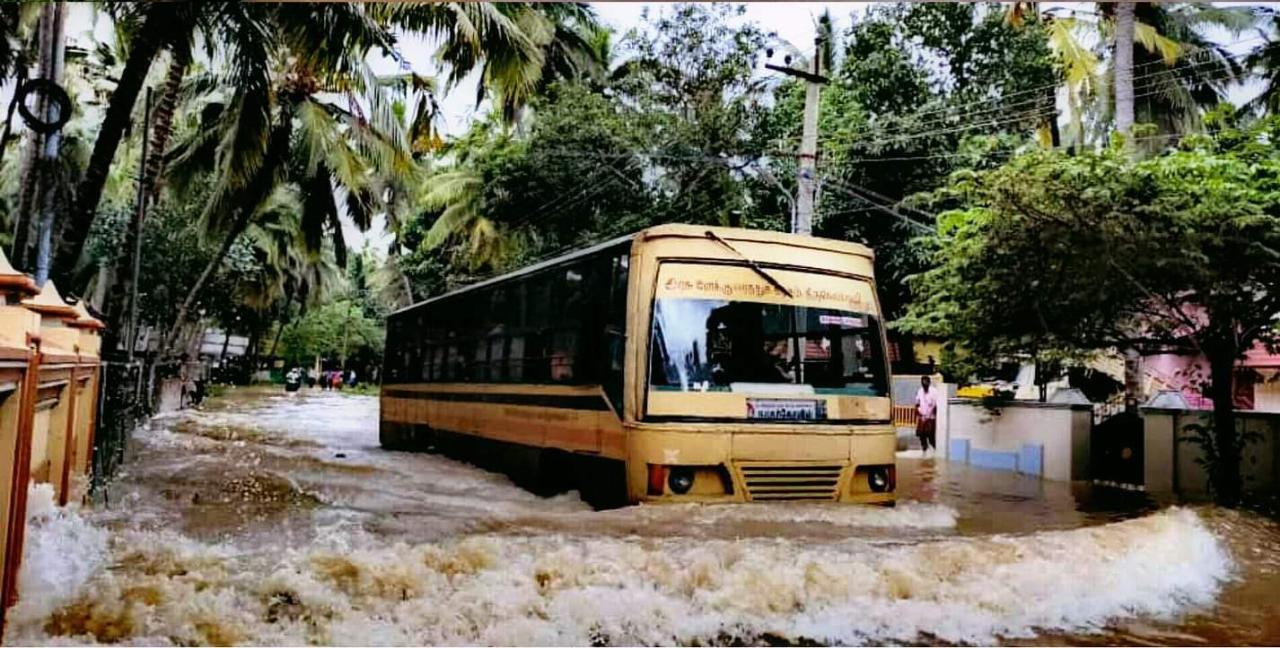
{"points": [[391, 436], [602, 483], [533, 469], [423, 438]]}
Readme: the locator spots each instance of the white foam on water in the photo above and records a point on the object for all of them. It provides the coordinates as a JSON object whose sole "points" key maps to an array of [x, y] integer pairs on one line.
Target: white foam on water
{"points": [[907, 514], [60, 554], [565, 589]]}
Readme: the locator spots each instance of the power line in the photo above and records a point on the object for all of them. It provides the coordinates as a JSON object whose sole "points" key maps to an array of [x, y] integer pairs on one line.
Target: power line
{"points": [[896, 138], [561, 202], [906, 136], [889, 209], [847, 185], [988, 154], [892, 139], [570, 153], [956, 109]]}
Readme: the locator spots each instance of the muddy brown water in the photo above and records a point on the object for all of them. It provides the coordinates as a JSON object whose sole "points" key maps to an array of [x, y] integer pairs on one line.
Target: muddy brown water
{"points": [[273, 518]]}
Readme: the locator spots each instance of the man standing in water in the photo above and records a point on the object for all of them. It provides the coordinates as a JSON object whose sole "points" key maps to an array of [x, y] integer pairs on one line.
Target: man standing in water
{"points": [[927, 407]]}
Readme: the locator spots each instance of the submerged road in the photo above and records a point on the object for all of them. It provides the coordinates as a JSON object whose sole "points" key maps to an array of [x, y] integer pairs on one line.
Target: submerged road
{"points": [[273, 518]]}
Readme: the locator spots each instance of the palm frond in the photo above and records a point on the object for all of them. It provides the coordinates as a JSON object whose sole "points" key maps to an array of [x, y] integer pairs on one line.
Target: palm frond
{"points": [[330, 37], [1156, 43], [320, 214]]}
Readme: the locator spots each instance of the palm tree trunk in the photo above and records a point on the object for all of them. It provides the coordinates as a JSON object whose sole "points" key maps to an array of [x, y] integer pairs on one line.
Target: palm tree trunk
{"points": [[1123, 62], [163, 116], [156, 26], [238, 228], [284, 321], [1225, 468], [267, 176], [1123, 73]]}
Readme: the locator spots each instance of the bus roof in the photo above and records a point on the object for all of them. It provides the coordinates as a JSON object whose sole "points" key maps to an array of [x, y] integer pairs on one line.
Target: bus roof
{"points": [[529, 269], [762, 236], [662, 231]]}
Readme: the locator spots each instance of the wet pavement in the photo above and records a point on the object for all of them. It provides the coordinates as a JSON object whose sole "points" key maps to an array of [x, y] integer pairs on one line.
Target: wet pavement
{"points": [[273, 518]]}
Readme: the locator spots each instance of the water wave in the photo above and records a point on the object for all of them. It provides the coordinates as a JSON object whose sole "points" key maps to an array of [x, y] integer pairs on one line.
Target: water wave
{"points": [[566, 589], [61, 553]]}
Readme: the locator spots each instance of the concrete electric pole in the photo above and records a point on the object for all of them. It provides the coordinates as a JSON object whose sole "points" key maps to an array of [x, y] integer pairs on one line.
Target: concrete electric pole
{"points": [[52, 59], [806, 192]]}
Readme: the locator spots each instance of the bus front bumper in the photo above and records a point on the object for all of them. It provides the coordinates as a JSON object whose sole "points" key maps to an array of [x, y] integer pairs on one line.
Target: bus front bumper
{"points": [[710, 464]]}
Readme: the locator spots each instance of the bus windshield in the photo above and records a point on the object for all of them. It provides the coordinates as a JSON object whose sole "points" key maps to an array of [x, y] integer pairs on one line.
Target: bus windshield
{"points": [[756, 347]]}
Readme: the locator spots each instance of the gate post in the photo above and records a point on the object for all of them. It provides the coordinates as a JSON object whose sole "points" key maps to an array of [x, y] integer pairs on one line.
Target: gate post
{"points": [[19, 366], [56, 393], [81, 428]]}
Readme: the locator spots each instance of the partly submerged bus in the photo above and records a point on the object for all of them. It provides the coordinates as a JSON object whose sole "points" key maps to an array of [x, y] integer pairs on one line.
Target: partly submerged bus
{"points": [[680, 363]]}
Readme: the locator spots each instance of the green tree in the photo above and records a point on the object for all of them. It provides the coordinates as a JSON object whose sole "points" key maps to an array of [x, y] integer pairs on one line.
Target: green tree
{"points": [[246, 35], [338, 330], [1150, 62], [250, 37], [900, 116], [669, 135], [1055, 253]]}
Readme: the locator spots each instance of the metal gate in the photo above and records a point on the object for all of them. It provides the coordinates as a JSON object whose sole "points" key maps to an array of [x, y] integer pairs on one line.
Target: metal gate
{"points": [[123, 407], [1116, 451]]}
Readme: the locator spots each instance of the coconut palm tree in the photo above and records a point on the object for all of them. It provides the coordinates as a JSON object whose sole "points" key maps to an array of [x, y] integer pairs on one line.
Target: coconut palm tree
{"points": [[1173, 70], [456, 196], [162, 120], [1123, 63], [316, 147], [17, 23], [152, 27], [491, 37], [1265, 62], [1173, 96], [516, 46], [290, 274]]}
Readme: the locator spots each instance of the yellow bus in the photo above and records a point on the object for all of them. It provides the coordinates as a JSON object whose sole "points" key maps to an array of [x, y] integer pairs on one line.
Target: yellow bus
{"points": [[680, 363]]}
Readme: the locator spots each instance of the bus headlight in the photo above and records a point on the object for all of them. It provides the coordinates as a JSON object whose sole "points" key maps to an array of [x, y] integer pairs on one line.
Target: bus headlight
{"points": [[680, 479], [879, 479]]}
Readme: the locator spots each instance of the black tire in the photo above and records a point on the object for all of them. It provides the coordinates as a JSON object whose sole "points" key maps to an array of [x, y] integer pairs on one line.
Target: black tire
{"points": [[53, 92], [602, 483]]}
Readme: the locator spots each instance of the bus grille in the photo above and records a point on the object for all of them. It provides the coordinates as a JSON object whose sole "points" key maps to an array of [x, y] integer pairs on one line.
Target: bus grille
{"points": [[803, 482]]}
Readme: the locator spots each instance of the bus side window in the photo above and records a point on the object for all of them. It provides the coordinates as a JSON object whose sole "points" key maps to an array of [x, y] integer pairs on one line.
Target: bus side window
{"points": [[478, 368], [537, 359], [615, 330], [564, 354], [497, 356], [429, 363], [428, 353], [453, 364], [515, 359]]}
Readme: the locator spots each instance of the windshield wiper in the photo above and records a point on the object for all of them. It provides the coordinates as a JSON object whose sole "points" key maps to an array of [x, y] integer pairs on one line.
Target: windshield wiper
{"points": [[751, 264]]}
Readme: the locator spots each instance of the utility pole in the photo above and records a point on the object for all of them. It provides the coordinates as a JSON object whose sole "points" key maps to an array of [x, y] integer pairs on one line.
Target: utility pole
{"points": [[135, 233], [53, 48], [807, 180]]}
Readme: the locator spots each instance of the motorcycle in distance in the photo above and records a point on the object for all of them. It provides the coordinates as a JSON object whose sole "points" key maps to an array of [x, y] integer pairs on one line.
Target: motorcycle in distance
{"points": [[293, 380]]}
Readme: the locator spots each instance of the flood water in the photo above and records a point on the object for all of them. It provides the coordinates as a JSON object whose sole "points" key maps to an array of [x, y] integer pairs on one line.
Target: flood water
{"points": [[270, 518]]}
